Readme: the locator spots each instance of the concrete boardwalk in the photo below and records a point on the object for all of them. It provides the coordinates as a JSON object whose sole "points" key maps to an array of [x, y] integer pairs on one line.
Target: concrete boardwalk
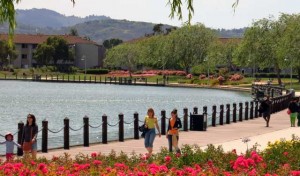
{"points": [[229, 136]]}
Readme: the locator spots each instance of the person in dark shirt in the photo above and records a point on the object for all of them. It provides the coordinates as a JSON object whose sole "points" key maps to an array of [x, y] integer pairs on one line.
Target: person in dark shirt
{"points": [[293, 107], [173, 131], [30, 133], [265, 109]]}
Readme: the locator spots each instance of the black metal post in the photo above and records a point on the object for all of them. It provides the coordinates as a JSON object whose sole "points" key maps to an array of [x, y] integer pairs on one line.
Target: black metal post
{"points": [[67, 133], [221, 114], [195, 110], [240, 112], [20, 135], [234, 112], [251, 109], [185, 119], [45, 136], [163, 122], [246, 110], [86, 137], [104, 129], [121, 127], [214, 113], [227, 113], [136, 125]]}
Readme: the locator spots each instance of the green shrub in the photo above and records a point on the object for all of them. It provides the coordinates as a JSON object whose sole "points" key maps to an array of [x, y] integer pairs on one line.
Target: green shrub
{"points": [[97, 71]]}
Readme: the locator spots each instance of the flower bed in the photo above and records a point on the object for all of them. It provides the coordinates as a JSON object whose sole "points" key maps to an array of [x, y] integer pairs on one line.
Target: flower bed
{"points": [[280, 158]]}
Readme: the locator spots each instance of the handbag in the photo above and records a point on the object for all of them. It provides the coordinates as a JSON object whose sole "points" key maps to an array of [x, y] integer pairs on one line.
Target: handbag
{"points": [[27, 146], [143, 128]]}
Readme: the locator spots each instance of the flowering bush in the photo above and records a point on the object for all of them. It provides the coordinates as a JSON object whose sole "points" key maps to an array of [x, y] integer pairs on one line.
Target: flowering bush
{"points": [[189, 76], [236, 77], [149, 73], [191, 161], [202, 76]]}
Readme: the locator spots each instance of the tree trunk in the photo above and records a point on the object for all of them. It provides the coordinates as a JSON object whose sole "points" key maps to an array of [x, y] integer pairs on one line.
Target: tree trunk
{"points": [[278, 74], [298, 69]]}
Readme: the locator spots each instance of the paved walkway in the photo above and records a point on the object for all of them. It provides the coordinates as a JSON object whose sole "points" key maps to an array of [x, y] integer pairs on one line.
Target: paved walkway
{"points": [[229, 136]]}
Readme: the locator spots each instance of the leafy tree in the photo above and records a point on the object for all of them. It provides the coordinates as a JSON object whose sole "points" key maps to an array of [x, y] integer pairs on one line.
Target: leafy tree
{"points": [[54, 49], [111, 43], [126, 56], [43, 54], [261, 44], [290, 42], [157, 29], [73, 32], [6, 51], [191, 44]]}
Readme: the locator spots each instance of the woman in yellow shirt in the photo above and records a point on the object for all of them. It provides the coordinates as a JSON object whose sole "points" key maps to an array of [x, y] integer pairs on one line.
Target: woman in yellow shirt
{"points": [[150, 123], [173, 131]]}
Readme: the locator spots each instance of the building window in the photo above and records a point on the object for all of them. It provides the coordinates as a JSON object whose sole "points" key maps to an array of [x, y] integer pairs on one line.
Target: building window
{"points": [[24, 46], [34, 46], [24, 56]]}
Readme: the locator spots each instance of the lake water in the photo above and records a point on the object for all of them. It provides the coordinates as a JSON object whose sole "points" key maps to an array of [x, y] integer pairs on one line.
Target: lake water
{"points": [[55, 101]]}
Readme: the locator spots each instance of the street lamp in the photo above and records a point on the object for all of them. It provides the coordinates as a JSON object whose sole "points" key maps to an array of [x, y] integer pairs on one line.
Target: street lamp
{"points": [[208, 80], [83, 58], [8, 58]]}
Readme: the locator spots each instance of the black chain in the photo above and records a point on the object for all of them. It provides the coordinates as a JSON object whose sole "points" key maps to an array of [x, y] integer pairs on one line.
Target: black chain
{"points": [[96, 126], [128, 122], [77, 129], [56, 131], [113, 125]]}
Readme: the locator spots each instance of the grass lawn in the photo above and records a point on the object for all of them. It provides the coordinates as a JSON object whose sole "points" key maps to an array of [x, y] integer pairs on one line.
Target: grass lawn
{"points": [[246, 82]]}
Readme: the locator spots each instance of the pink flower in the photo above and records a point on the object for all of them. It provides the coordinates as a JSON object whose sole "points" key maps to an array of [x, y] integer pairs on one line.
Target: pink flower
{"points": [[167, 159], [94, 154], [285, 153], [295, 173], [41, 166], [97, 162]]}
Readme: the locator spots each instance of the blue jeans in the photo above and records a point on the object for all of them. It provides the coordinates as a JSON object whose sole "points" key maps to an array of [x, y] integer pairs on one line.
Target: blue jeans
{"points": [[149, 138]]}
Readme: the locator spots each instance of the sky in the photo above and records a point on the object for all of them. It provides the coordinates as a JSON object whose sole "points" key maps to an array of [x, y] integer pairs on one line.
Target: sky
{"points": [[212, 13]]}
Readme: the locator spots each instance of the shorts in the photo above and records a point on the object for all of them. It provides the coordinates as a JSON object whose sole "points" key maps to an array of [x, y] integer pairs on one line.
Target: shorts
{"points": [[9, 156], [34, 146]]}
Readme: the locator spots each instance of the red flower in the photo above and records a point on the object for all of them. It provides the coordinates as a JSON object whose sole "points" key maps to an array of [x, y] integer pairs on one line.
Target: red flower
{"points": [[285, 153], [295, 173], [167, 159], [97, 162], [94, 155]]}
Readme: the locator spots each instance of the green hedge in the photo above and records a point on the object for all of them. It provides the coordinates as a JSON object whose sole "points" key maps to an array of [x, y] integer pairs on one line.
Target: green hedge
{"points": [[274, 75], [97, 71]]}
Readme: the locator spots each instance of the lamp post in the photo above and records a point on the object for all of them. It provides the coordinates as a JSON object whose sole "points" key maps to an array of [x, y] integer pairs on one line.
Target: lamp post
{"points": [[8, 58], [83, 58], [208, 79]]}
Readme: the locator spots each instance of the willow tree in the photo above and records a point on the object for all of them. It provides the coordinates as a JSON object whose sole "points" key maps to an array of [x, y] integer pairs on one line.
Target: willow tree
{"points": [[191, 45], [289, 45], [125, 56], [260, 45]]}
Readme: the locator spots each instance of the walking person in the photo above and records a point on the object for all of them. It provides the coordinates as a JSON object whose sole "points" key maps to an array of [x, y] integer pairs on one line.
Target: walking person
{"points": [[173, 131], [293, 108], [29, 139], [265, 109], [10, 143], [298, 116], [150, 123]]}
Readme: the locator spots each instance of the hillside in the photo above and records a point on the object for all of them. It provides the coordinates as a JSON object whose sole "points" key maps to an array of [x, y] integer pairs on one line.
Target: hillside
{"points": [[44, 18], [97, 28]]}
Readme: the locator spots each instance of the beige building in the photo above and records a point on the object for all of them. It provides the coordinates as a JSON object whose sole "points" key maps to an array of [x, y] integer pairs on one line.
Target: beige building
{"points": [[87, 53]]}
